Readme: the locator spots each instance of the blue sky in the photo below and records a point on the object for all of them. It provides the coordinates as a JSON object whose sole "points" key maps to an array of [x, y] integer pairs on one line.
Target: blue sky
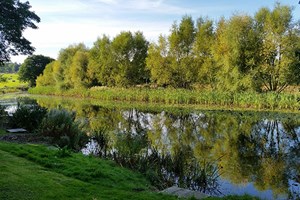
{"points": [[65, 22]]}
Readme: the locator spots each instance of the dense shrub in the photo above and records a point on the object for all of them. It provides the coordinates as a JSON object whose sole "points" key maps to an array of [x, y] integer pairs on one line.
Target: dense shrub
{"points": [[28, 117], [61, 126], [3, 116]]}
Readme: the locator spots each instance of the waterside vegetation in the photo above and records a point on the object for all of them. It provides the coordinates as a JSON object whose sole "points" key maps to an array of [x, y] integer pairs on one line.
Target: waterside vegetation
{"points": [[244, 61], [259, 53], [213, 99]]}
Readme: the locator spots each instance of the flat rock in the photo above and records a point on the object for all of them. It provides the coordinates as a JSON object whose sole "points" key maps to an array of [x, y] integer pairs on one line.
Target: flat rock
{"points": [[16, 130], [184, 193]]}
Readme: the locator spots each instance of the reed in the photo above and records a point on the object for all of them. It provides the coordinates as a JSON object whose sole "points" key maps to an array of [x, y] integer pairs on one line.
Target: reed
{"points": [[247, 100]]}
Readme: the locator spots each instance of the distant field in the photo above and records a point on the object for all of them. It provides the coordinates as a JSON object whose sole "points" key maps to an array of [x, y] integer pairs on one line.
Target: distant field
{"points": [[12, 84]]}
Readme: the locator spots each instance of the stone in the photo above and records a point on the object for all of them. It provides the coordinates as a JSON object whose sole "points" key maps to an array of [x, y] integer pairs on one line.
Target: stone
{"points": [[184, 193], [16, 130]]}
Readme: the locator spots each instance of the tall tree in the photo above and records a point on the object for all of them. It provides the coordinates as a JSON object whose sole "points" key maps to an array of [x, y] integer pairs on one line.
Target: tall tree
{"points": [[181, 41], [100, 62], [236, 52], [279, 37], [129, 52], [61, 70], [47, 78], [202, 47], [15, 17], [78, 70], [158, 62], [32, 67]]}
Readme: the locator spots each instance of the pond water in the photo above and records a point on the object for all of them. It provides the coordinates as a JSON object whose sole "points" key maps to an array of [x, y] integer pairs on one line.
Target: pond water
{"points": [[216, 152]]}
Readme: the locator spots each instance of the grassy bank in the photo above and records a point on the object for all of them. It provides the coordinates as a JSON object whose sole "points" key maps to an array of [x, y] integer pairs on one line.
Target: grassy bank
{"points": [[39, 172], [246, 100]]}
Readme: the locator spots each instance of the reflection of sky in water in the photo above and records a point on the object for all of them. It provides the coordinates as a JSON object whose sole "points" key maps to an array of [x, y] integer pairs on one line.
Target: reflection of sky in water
{"points": [[295, 189], [10, 105], [227, 188], [11, 109]]}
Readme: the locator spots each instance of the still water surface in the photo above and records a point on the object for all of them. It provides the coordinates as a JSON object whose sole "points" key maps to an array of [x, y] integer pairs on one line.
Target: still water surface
{"points": [[217, 152]]}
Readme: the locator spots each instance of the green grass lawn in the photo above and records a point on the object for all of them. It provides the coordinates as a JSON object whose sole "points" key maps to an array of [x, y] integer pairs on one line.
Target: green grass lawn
{"points": [[12, 84], [37, 172]]}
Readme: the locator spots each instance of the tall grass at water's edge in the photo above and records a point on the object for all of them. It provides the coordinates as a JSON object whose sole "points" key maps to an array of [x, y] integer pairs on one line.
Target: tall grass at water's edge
{"points": [[247, 100]]}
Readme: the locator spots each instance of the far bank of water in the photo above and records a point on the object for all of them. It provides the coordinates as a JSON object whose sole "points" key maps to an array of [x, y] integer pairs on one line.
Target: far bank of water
{"points": [[217, 152], [271, 101]]}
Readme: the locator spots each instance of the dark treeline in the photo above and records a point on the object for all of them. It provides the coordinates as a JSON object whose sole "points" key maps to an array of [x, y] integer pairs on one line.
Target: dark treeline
{"points": [[10, 67], [236, 54]]}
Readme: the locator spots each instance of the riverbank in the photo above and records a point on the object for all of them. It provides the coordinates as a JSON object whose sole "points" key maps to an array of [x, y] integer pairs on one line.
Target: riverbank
{"points": [[31, 171], [245, 100], [39, 172]]}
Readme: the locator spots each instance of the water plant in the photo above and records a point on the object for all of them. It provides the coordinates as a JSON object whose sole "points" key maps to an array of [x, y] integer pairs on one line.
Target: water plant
{"points": [[61, 126]]}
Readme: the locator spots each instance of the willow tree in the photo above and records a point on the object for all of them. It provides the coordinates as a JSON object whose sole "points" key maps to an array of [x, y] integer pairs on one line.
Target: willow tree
{"points": [[78, 70], [279, 38], [47, 78], [202, 48], [101, 62], [129, 65], [236, 53], [62, 72], [158, 62], [181, 42]]}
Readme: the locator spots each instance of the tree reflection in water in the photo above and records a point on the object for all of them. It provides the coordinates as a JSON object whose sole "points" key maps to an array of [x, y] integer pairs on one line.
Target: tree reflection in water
{"points": [[199, 149]]}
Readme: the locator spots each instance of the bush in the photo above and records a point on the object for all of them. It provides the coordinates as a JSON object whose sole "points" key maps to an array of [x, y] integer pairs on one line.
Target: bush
{"points": [[28, 117], [3, 116], [3, 78], [60, 125]]}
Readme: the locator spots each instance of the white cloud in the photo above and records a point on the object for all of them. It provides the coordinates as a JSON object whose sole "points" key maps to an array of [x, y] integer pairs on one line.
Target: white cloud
{"points": [[109, 2]]}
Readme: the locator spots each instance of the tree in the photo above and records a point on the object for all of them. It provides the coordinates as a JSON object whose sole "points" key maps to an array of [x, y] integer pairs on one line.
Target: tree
{"points": [[236, 53], [279, 37], [129, 65], [181, 41], [171, 61], [158, 62], [32, 67], [10, 67], [15, 17], [47, 78], [202, 47], [101, 60], [78, 70]]}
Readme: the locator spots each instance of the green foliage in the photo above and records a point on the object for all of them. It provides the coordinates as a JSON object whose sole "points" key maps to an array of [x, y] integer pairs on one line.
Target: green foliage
{"points": [[14, 19], [10, 68], [242, 53], [12, 84], [69, 71], [236, 53], [279, 43], [203, 48], [32, 67], [61, 126], [47, 78], [120, 62], [3, 78], [158, 62], [3, 116], [242, 100], [101, 62], [28, 117]]}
